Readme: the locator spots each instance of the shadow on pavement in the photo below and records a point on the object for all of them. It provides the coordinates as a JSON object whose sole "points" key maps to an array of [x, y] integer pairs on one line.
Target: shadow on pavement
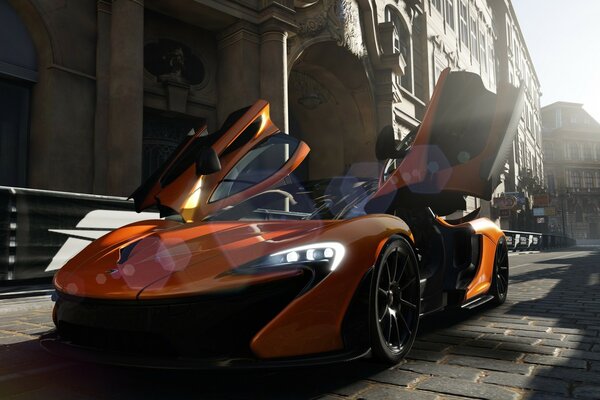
{"points": [[27, 371], [26, 367], [564, 294]]}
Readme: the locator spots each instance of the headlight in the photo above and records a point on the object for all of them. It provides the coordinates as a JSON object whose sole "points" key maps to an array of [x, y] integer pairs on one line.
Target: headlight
{"points": [[330, 252], [328, 255]]}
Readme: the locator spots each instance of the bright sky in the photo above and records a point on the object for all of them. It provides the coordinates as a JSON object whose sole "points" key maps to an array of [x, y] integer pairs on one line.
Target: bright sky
{"points": [[563, 37]]}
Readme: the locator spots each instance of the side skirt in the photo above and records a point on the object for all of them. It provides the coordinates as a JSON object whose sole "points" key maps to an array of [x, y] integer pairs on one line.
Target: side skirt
{"points": [[476, 302]]}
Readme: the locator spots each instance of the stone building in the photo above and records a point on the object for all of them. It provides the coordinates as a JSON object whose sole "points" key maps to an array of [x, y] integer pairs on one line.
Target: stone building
{"points": [[525, 162], [571, 140], [109, 88]]}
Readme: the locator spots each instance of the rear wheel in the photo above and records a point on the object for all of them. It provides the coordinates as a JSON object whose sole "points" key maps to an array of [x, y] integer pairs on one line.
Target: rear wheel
{"points": [[499, 285], [394, 302]]}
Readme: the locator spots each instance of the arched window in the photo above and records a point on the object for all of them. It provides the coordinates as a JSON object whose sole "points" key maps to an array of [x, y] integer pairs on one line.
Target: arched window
{"points": [[402, 45], [575, 179], [551, 183], [588, 179], [18, 72], [587, 152], [549, 150], [573, 151], [598, 152]]}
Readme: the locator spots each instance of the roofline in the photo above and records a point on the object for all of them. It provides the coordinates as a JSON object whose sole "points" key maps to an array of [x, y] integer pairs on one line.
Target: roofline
{"points": [[562, 103], [524, 43], [558, 104]]}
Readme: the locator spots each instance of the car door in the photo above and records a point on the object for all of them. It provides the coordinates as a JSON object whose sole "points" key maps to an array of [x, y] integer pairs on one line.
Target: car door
{"points": [[253, 155], [460, 148]]}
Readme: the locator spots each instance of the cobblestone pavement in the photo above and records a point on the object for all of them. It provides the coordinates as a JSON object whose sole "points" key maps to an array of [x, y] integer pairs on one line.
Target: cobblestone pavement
{"points": [[542, 344]]}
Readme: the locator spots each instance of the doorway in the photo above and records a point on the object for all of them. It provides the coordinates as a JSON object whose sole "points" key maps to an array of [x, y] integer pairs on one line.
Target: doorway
{"points": [[162, 134], [332, 109]]}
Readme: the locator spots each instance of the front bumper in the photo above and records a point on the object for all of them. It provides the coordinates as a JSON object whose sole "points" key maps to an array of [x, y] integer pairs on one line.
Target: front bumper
{"points": [[217, 326]]}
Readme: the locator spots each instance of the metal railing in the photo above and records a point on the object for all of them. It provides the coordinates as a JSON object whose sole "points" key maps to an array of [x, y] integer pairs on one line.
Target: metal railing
{"points": [[529, 241], [40, 229]]}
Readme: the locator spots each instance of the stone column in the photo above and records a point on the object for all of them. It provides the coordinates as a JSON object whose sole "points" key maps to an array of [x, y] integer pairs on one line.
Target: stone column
{"points": [[239, 65], [273, 74], [126, 96], [384, 98], [102, 96]]}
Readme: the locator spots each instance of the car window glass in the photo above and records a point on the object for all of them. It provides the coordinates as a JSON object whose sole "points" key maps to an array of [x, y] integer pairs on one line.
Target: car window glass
{"points": [[258, 164]]}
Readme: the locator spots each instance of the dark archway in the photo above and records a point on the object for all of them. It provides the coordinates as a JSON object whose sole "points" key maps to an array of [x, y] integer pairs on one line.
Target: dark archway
{"points": [[18, 72], [331, 108], [163, 131]]}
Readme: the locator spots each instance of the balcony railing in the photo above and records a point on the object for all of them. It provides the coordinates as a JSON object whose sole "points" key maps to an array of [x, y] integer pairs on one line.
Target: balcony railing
{"points": [[583, 190], [575, 160]]}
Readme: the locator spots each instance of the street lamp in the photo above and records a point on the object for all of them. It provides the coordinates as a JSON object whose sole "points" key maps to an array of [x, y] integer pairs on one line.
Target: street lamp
{"points": [[563, 205]]}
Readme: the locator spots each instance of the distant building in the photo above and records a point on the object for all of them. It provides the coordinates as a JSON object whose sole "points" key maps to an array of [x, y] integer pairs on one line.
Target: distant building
{"points": [[571, 140]]}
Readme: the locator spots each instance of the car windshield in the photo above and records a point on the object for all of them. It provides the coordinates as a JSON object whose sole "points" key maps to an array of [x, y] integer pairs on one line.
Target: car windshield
{"points": [[325, 199]]}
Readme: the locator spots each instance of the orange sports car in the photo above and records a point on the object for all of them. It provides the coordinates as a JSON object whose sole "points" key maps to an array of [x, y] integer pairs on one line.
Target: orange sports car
{"points": [[252, 267]]}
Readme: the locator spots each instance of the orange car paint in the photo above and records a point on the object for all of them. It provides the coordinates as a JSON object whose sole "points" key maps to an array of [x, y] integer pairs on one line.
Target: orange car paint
{"points": [[312, 324], [182, 260], [66, 281], [490, 234], [189, 254]]}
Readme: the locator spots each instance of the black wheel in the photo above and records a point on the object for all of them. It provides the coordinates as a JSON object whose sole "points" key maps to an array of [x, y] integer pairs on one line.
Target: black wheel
{"points": [[499, 286], [394, 302]]}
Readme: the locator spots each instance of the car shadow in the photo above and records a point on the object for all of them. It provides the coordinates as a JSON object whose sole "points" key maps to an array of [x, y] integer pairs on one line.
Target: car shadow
{"points": [[27, 371], [31, 372]]}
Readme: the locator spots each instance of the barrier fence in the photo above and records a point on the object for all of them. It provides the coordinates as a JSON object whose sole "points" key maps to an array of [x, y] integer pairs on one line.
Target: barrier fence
{"points": [[40, 230], [527, 241]]}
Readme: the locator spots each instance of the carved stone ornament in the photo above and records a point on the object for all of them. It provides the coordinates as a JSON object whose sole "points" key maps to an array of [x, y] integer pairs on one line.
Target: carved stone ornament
{"points": [[170, 61], [312, 26], [340, 19], [311, 93]]}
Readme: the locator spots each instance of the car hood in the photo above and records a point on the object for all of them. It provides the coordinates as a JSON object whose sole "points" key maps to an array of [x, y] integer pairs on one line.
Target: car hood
{"points": [[188, 259]]}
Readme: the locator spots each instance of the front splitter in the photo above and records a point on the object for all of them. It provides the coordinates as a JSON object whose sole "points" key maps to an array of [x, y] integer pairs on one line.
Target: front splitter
{"points": [[52, 343]]}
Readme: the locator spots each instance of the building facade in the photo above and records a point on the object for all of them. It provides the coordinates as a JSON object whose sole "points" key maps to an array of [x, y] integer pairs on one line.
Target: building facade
{"points": [[108, 88], [524, 173], [571, 140]]}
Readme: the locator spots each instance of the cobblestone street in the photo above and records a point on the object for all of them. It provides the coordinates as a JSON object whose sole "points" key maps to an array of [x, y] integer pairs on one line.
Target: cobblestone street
{"points": [[543, 343]]}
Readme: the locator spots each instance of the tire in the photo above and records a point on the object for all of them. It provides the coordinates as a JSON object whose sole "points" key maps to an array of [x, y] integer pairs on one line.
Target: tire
{"points": [[499, 284], [394, 303]]}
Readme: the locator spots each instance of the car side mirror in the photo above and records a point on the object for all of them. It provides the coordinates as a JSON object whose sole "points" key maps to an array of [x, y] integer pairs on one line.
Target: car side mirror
{"points": [[385, 147], [207, 162]]}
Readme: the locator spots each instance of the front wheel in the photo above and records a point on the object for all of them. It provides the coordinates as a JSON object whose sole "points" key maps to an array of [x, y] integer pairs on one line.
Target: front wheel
{"points": [[394, 302], [499, 284]]}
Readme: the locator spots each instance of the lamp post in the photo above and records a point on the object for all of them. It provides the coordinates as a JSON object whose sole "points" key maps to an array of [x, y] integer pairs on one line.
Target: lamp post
{"points": [[563, 205], [562, 209]]}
